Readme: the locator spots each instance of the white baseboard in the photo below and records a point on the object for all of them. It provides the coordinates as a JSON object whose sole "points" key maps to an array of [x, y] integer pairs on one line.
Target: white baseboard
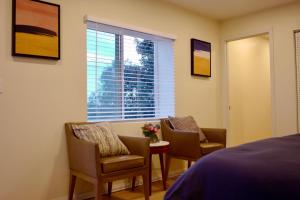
{"points": [[121, 186]]}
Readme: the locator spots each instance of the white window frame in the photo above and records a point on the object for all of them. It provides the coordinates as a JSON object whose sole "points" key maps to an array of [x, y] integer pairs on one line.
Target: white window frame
{"points": [[156, 66]]}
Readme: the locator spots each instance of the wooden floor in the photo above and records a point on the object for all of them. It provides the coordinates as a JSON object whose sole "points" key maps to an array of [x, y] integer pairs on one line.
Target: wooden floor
{"points": [[138, 194]]}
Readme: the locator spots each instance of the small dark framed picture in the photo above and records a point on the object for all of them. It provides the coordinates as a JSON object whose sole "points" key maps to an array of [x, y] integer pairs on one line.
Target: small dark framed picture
{"points": [[200, 58], [36, 29]]}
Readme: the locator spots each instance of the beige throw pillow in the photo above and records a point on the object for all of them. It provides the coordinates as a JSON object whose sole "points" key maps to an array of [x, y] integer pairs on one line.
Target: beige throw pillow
{"points": [[187, 124], [102, 134]]}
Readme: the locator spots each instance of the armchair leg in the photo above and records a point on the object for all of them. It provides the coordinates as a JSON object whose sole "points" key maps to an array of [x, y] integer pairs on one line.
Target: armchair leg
{"points": [[109, 184], [133, 183], [189, 163], [99, 190], [168, 161], [146, 185], [72, 186]]}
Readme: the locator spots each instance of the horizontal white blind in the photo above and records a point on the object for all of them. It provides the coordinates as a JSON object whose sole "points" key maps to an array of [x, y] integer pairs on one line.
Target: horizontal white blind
{"points": [[297, 40], [130, 75]]}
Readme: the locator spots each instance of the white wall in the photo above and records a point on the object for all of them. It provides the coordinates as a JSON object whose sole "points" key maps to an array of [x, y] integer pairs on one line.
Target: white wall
{"points": [[41, 95], [248, 62], [281, 22]]}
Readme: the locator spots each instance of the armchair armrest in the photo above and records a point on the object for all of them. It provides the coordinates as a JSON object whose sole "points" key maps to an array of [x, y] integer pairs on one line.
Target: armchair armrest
{"points": [[215, 135], [137, 146], [183, 144], [83, 156]]}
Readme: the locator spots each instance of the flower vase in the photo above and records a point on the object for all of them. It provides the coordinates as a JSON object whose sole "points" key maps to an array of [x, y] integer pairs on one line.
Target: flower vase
{"points": [[153, 138], [150, 131]]}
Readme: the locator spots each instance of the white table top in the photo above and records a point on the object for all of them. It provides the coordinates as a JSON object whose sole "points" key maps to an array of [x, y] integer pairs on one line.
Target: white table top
{"points": [[159, 144]]}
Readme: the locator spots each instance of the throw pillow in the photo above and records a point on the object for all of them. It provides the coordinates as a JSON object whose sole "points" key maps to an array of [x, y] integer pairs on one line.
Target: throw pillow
{"points": [[187, 124], [102, 134]]}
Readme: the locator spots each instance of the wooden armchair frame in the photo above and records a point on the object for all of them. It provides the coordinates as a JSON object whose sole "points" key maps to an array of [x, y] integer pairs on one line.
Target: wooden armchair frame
{"points": [[186, 145], [84, 161]]}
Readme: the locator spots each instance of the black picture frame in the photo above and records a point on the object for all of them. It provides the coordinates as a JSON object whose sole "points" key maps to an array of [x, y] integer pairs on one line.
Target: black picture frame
{"points": [[15, 29], [199, 64]]}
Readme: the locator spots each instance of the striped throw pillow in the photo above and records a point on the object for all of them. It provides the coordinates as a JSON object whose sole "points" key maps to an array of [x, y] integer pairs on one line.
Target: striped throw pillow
{"points": [[102, 134], [187, 124]]}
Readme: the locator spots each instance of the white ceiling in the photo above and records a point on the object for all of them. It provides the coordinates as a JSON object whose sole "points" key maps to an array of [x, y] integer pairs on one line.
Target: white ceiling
{"points": [[225, 9]]}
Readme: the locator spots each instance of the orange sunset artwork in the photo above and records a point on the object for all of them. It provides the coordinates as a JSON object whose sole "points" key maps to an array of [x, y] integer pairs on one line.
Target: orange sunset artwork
{"points": [[36, 28]]}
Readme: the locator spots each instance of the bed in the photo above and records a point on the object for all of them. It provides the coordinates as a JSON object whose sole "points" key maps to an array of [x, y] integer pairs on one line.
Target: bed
{"points": [[262, 170]]}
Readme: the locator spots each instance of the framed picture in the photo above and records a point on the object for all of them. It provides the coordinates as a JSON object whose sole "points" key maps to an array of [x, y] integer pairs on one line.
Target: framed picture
{"points": [[200, 58], [36, 29]]}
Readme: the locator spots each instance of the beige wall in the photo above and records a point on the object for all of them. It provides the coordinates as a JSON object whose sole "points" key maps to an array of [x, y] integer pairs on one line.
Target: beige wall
{"points": [[40, 95], [281, 22], [249, 90]]}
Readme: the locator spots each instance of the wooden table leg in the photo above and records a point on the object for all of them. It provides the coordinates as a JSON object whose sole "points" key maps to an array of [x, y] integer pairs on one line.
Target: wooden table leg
{"points": [[162, 168], [150, 174]]}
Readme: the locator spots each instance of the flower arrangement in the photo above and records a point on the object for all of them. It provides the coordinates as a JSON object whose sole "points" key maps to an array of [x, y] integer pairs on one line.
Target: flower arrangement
{"points": [[150, 130]]}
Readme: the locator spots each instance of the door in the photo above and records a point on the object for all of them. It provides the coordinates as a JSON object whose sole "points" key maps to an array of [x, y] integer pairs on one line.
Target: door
{"points": [[249, 90]]}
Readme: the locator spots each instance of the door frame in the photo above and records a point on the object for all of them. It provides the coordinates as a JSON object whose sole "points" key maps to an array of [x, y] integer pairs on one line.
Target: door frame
{"points": [[296, 65], [225, 74]]}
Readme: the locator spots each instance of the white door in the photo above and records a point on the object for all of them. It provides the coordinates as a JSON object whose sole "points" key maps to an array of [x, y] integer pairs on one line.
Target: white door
{"points": [[249, 90]]}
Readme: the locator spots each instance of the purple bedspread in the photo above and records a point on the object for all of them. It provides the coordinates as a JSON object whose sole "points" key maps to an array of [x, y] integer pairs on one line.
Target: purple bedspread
{"points": [[264, 170]]}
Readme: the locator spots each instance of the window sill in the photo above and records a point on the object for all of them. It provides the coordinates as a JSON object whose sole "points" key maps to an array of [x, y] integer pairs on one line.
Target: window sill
{"points": [[154, 120]]}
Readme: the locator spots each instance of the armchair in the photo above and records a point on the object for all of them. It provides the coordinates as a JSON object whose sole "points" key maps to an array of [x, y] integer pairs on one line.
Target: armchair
{"points": [[86, 163], [185, 145]]}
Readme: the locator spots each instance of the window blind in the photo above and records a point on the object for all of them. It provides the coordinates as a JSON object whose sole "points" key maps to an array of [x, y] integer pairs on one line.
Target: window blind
{"points": [[297, 41], [130, 75]]}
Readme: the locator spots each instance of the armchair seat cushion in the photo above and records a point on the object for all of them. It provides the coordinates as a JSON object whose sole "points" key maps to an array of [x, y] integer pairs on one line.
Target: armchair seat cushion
{"points": [[209, 147], [122, 162]]}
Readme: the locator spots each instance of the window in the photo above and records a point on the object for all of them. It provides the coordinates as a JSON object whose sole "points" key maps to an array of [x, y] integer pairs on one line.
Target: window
{"points": [[129, 74]]}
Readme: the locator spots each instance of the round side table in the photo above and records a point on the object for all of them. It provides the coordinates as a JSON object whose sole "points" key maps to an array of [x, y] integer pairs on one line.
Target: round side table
{"points": [[159, 148]]}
